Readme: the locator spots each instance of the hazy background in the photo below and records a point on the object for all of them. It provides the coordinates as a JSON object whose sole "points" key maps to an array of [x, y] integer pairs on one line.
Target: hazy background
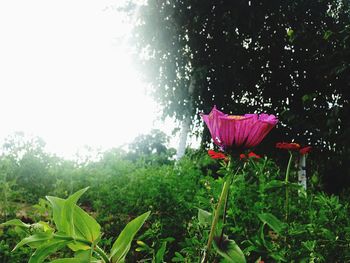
{"points": [[66, 75]]}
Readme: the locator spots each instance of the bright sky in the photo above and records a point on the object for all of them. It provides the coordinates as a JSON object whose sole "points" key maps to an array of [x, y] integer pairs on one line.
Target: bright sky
{"points": [[65, 75]]}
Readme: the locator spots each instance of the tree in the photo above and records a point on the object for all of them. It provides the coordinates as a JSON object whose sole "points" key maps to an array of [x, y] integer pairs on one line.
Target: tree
{"points": [[29, 166], [290, 58], [151, 147]]}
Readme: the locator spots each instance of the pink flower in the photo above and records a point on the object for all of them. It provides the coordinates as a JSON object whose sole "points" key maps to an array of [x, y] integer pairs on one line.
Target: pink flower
{"points": [[238, 130]]}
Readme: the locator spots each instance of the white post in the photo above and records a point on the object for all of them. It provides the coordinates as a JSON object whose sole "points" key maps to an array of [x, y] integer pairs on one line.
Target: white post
{"points": [[302, 171]]}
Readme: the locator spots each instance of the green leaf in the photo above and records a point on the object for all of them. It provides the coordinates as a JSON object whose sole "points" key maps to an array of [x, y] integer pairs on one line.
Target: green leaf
{"points": [[204, 217], [35, 240], [122, 245], [68, 212], [82, 256], [73, 221], [327, 34], [85, 225], [15, 222], [272, 222], [45, 250], [178, 258], [160, 253], [70, 260], [230, 251], [63, 211], [57, 206]]}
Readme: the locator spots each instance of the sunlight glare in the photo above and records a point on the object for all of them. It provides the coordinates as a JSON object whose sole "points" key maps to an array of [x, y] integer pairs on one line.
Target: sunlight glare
{"points": [[66, 75]]}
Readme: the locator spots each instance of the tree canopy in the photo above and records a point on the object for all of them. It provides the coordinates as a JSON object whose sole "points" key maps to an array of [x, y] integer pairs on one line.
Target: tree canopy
{"points": [[290, 58]]}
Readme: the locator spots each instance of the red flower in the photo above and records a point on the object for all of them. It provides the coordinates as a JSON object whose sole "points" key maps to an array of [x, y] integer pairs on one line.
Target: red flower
{"points": [[249, 155], [253, 155], [216, 155], [305, 150], [288, 146]]}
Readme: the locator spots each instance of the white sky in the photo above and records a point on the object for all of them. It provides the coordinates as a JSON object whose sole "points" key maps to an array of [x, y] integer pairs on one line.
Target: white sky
{"points": [[65, 75]]}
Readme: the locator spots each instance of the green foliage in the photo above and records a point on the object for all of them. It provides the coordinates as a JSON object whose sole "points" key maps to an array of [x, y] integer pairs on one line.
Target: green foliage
{"points": [[182, 199], [77, 230]]}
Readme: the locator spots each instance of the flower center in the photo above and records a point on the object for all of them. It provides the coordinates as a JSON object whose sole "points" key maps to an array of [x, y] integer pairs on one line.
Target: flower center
{"points": [[235, 117]]}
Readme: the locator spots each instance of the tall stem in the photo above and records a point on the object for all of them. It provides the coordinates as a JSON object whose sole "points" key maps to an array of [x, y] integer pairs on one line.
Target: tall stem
{"points": [[286, 182], [230, 179], [222, 198]]}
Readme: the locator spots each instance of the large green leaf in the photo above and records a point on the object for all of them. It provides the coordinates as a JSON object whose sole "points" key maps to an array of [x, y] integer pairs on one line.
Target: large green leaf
{"points": [[63, 211], [35, 240], [73, 221], [230, 251], [86, 228], [122, 245], [57, 207], [68, 212], [45, 250], [272, 222], [82, 256], [85, 225]]}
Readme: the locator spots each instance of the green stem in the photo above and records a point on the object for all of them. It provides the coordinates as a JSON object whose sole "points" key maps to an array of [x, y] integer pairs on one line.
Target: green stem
{"points": [[102, 254], [97, 249], [286, 182], [216, 218], [222, 202], [226, 203]]}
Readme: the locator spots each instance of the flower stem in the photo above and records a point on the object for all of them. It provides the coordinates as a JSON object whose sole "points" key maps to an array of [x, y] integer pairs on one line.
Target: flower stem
{"points": [[287, 187], [230, 179], [221, 202]]}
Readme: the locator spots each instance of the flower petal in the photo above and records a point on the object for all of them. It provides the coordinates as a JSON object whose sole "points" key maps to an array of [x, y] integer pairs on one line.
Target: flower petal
{"points": [[212, 121]]}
